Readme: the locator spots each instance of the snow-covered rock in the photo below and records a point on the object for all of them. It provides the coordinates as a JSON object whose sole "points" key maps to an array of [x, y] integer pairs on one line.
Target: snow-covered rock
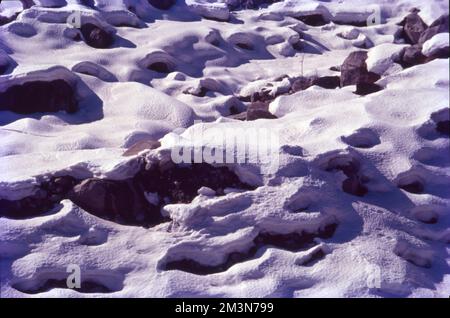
{"points": [[438, 42]]}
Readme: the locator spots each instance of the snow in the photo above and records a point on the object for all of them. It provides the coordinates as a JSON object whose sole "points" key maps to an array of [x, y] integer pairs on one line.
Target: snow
{"points": [[198, 61], [437, 42]]}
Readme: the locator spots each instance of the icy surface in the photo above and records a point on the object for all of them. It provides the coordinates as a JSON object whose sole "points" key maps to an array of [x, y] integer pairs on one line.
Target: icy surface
{"points": [[203, 60]]}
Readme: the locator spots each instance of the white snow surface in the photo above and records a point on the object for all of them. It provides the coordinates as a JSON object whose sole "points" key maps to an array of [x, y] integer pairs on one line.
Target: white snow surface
{"points": [[380, 238]]}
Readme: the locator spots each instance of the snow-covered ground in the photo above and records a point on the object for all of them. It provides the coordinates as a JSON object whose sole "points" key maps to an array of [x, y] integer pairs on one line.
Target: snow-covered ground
{"points": [[351, 200]]}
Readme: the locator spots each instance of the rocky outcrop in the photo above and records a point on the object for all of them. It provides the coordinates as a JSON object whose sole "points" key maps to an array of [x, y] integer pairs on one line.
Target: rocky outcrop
{"points": [[96, 37]]}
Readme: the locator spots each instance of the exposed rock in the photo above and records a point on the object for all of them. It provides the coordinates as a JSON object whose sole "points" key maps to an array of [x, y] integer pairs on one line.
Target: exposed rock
{"points": [[96, 37], [162, 4], [313, 19], [42, 201], [367, 88], [259, 110], [412, 56], [140, 146], [354, 70], [329, 82], [122, 201], [443, 127], [39, 96], [413, 187], [413, 27], [301, 84], [160, 67], [440, 25]]}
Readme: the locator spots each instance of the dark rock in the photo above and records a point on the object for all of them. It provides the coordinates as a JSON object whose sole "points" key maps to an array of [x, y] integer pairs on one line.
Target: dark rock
{"points": [[162, 4], [160, 67], [39, 96], [354, 70], [179, 183], [413, 27], [367, 88], [249, 4], [245, 46], [42, 201], [140, 146], [313, 19], [301, 84], [122, 201], [413, 187], [96, 37], [330, 82], [257, 110], [443, 127], [412, 55], [5, 20], [440, 25]]}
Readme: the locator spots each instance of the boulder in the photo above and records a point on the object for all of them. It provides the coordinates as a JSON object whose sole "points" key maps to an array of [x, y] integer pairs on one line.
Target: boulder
{"points": [[39, 96], [162, 4], [330, 82], [96, 37], [367, 88], [440, 25], [354, 70], [413, 27], [122, 201], [412, 55], [257, 110]]}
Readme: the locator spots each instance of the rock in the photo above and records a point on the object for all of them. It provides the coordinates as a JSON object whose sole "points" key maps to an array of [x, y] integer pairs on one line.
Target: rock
{"points": [[367, 88], [302, 83], [330, 82], [354, 70], [160, 67], [141, 146], [413, 187], [443, 127], [411, 56], [413, 27], [39, 96], [313, 19], [162, 4], [96, 37], [437, 46], [257, 110], [42, 201], [122, 201], [441, 25], [349, 34]]}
